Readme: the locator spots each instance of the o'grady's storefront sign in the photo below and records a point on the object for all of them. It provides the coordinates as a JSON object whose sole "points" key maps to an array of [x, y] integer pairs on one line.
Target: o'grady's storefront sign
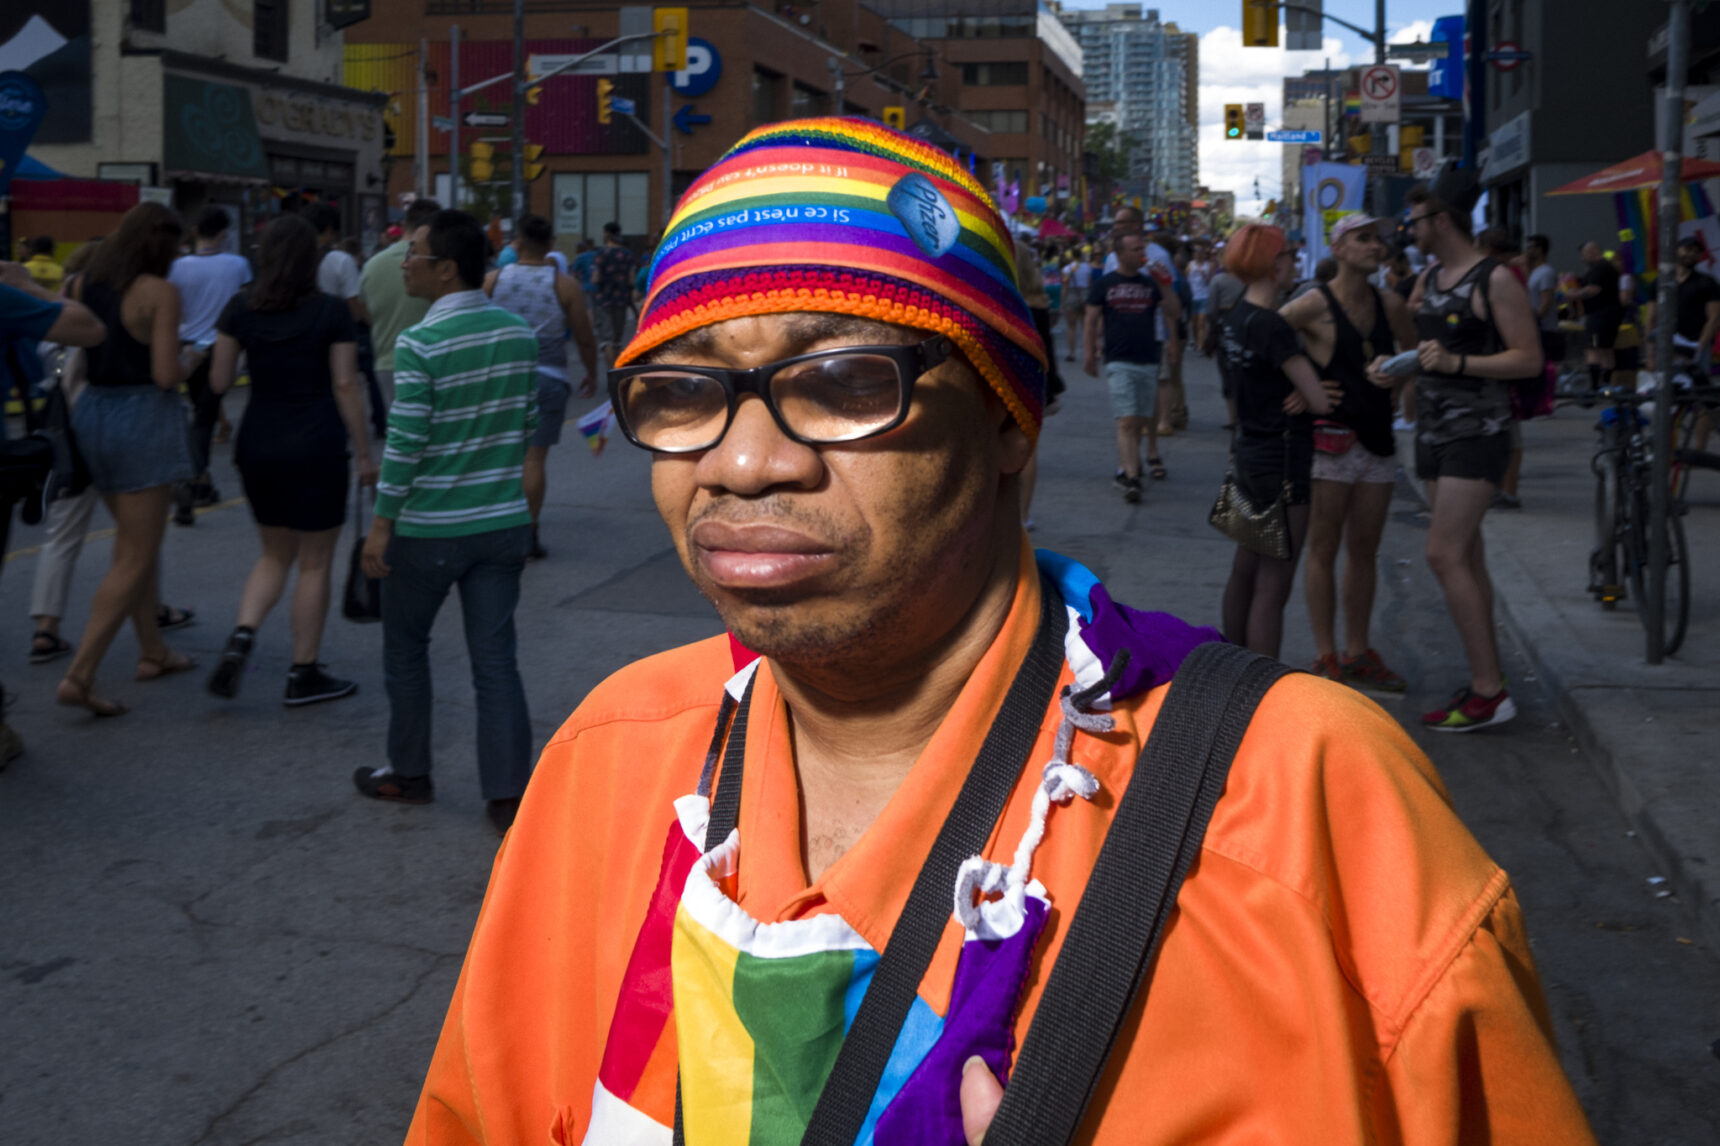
{"points": [[229, 123]]}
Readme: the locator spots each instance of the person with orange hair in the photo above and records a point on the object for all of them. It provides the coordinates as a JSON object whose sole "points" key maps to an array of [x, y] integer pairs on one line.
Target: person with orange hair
{"points": [[1278, 395]]}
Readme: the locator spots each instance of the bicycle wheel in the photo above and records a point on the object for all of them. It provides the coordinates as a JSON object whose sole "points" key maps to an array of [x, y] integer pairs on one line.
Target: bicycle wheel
{"points": [[1605, 581], [1675, 618]]}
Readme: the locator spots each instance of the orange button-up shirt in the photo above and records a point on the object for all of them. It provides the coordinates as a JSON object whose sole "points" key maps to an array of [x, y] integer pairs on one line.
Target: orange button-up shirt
{"points": [[1345, 966]]}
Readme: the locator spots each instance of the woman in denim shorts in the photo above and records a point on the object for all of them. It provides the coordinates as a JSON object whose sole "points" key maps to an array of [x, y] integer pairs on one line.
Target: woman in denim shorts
{"points": [[131, 430]]}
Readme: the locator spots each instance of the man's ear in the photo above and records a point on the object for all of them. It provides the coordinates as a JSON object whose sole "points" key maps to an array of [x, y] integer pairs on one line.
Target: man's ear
{"points": [[1014, 447]]}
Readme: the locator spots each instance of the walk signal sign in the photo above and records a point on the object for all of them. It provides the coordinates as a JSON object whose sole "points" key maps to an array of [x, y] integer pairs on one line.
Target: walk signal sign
{"points": [[669, 49], [483, 162], [1233, 121], [605, 94], [532, 152], [896, 117], [1260, 23], [534, 93]]}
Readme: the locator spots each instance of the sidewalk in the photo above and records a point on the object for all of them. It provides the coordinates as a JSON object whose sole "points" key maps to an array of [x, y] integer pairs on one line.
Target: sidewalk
{"points": [[1652, 729]]}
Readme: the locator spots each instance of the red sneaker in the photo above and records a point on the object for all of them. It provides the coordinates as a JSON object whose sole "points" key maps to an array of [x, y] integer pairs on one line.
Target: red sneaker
{"points": [[1327, 666], [1468, 712], [1369, 671]]}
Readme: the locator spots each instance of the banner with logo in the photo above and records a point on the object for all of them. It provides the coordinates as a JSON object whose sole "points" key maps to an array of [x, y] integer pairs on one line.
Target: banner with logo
{"points": [[22, 107], [1330, 191], [50, 41]]}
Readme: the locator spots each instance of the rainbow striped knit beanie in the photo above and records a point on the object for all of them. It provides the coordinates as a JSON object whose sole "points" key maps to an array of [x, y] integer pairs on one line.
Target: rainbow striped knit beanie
{"points": [[848, 216]]}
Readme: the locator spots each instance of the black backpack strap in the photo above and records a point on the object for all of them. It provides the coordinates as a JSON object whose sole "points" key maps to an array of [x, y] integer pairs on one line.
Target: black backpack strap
{"points": [[1114, 936]]}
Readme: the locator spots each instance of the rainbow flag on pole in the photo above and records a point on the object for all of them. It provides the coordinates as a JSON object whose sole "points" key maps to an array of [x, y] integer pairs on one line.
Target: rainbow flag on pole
{"points": [[594, 426]]}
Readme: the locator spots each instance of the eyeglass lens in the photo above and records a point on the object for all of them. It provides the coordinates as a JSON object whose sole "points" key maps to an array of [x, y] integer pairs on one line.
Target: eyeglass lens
{"points": [[835, 398]]}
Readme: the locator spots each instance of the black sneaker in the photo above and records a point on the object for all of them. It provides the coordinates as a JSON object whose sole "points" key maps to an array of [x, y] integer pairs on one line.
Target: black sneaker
{"points": [[308, 684], [230, 669], [382, 784], [204, 493], [1120, 480], [1132, 490], [502, 813]]}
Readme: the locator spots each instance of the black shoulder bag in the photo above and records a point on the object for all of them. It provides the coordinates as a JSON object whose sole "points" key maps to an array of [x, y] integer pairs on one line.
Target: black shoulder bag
{"points": [[1106, 957]]}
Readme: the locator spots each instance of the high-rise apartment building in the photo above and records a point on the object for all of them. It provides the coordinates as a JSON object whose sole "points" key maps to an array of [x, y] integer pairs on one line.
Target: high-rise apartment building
{"points": [[1144, 76]]}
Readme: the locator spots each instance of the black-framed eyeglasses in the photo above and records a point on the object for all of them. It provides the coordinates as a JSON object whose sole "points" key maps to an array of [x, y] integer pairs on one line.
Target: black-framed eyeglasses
{"points": [[818, 399]]}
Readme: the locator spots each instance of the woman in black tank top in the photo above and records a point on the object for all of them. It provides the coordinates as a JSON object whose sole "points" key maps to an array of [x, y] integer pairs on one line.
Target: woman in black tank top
{"points": [[131, 431]]}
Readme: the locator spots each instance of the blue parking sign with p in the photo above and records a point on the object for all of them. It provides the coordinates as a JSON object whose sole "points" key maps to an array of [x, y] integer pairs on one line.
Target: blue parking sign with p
{"points": [[704, 68]]}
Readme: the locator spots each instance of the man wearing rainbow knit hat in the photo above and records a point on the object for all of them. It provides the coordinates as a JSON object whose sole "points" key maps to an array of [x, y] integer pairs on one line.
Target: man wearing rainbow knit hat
{"points": [[723, 914]]}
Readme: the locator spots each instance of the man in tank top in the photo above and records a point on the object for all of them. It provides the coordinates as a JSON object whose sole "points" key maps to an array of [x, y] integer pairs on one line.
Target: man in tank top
{"points": [[535, 288], [1347, 326], [1477, 332]]}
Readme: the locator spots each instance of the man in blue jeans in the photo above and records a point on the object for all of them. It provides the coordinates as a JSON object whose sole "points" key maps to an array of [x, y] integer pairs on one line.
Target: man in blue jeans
{"points": [[451, 510]]}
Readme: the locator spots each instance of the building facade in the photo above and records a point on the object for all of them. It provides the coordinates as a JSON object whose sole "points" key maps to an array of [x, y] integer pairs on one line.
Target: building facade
{"points": [[224, 101], [748, 65], [1567, 112], [1021, 73], [1144, 76]]}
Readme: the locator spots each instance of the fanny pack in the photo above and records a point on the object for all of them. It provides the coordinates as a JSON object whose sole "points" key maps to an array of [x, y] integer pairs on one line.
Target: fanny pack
{"points": [[1333, 437]]}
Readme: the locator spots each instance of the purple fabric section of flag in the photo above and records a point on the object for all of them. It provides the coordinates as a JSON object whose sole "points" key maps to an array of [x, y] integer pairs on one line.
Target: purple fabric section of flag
{"points": [[1157, 642], [981, 1020]]}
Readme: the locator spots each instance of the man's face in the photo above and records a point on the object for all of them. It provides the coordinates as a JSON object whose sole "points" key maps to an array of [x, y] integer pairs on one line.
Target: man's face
{"points": [[1131, 253], [842, 556], [1360, 250], [1284, 269], [1591, 253], [418, 268], [1689, 256]]}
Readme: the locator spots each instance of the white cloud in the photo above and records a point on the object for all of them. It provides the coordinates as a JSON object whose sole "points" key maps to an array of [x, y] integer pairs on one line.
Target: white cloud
{"points": [[1411, 32], [1231, 73]]}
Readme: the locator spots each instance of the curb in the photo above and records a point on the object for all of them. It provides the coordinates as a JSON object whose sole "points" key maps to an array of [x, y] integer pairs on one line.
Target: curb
{"points": [[1695, 884]]}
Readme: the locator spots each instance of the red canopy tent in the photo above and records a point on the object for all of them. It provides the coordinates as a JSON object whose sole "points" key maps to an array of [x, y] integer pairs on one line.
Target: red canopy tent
{"points": [[1050, 228], [1644, 171]]}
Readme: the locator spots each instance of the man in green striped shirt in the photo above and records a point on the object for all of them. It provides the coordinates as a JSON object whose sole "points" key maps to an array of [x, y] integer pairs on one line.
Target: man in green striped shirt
{"points": [[451, 511]]}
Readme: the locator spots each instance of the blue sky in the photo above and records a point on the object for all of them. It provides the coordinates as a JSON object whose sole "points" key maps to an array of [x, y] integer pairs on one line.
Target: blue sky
{"points": [[1231, 73]]}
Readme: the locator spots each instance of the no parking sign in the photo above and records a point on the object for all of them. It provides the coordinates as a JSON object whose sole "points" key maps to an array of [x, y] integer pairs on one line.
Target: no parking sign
{"points": [[704, 68]]}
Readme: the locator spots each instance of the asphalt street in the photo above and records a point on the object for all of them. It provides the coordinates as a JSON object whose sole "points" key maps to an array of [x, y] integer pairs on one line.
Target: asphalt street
{"points": [[209, 938]]}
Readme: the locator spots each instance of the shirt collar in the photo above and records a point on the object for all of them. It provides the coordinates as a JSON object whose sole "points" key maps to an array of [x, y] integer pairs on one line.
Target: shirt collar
{"points": [[459, 300]]}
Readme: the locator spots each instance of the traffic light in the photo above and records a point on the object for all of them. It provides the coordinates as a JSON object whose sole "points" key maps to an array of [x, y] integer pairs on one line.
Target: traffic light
{"points": [[896, 117], [483, 165], [1260, 23], [605, 93], [532, 153], [534, 93], [1233, 121], [669, 49]]}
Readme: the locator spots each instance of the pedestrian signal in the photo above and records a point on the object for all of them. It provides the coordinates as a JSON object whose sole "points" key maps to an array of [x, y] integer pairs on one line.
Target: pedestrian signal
{"points": [[1233, 121], [532, 152], [896, 117], [483, 162], [533, 94], [669, 49], [1260, 23], [605, 93]]}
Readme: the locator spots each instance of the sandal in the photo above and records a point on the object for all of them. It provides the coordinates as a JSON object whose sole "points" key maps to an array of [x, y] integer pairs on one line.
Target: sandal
{"points": [[82, 695], [168, 617], [1156, 467], [168, 663], [46, 646]]}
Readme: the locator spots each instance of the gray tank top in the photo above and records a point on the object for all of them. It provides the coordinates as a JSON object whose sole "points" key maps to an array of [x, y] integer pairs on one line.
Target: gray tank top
{"points": [[530, 293]]}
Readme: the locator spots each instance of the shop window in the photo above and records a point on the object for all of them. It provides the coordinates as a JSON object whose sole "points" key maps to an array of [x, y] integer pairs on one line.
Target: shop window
{"points": [[767, 96], [149, 15], [585, 202], [269, 29], [999, 73], [999, 120], [808, 102]]}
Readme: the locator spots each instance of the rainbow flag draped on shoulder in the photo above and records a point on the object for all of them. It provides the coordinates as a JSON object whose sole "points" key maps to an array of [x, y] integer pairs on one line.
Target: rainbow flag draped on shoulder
{"points": [[750, 1016]]}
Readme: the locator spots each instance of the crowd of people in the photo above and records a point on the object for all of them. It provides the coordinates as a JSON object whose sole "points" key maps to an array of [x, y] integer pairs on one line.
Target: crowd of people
{"points": [[436, 373]]}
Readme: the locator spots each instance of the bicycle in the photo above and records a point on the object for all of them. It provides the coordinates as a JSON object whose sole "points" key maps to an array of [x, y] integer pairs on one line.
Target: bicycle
{"points": [[1624, 474]]}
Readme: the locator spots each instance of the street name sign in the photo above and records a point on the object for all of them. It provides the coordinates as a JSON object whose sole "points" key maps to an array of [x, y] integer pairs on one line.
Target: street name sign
{"points": [[1294, 137], [623, 105], [1419, 52], [485, 119]]}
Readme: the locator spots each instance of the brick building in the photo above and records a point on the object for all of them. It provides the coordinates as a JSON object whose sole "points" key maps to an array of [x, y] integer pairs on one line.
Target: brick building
{"points": [[749, 65]]}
